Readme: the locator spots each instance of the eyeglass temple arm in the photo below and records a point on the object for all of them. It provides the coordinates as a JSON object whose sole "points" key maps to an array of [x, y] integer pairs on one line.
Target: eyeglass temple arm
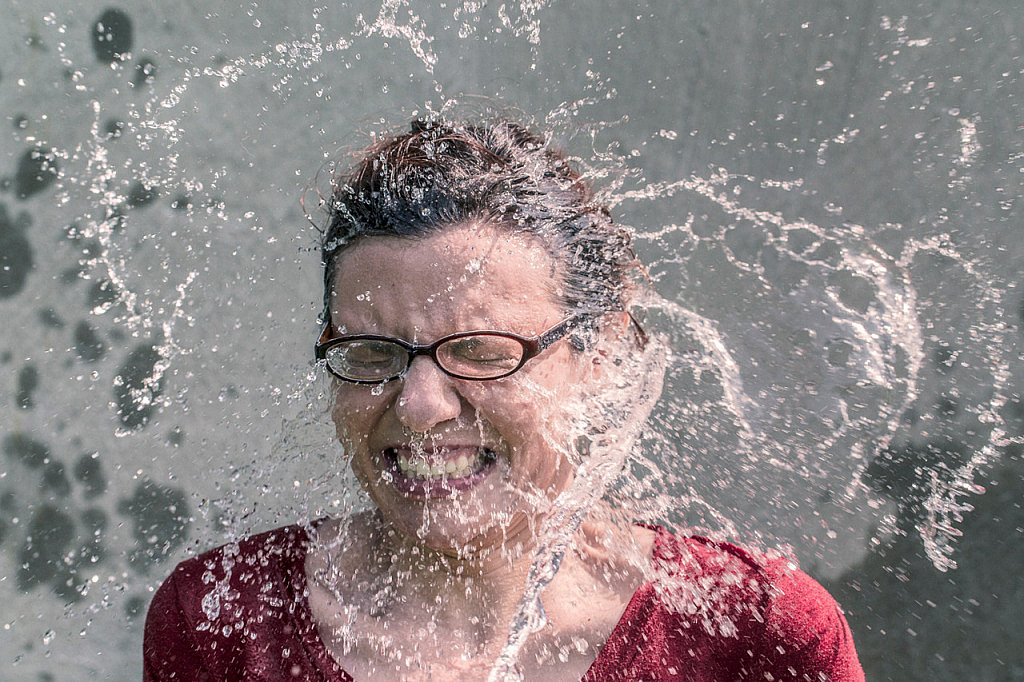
{"points": [[555, 333], [565, 327]]}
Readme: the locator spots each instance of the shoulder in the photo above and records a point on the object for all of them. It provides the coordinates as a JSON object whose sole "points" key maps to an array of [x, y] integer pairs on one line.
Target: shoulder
{"points": [[784, 619], [228, 570], [267, 550], [737, 575], [210, 606]]}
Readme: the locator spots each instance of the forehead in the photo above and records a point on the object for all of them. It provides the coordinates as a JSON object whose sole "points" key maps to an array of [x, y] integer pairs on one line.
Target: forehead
{"points": [[464, 275]]}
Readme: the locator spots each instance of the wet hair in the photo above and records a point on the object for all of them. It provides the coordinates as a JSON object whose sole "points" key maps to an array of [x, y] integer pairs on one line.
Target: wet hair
{"points": [[441, 173]]}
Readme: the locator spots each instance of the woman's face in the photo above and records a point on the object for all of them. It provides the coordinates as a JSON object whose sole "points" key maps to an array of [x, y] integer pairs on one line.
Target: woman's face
{"points": [[502, 444]]}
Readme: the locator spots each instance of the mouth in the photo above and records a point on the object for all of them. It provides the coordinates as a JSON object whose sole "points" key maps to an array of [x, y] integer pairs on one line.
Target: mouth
{"points": [[438, 472]]}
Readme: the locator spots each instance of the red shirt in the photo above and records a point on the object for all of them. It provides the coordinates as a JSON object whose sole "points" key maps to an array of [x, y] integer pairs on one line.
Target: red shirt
{"points": [[715, 613]]}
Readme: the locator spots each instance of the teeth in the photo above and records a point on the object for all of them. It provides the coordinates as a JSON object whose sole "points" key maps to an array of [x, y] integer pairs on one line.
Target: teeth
{"points": [[419, 467]]}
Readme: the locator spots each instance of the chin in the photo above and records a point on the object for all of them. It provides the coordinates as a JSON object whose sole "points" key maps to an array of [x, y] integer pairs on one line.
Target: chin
{"points": [[462, 527]]}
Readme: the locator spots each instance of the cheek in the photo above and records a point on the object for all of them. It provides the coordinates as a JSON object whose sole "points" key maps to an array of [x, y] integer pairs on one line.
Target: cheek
{"points": [[355, 412], [524, 413]]}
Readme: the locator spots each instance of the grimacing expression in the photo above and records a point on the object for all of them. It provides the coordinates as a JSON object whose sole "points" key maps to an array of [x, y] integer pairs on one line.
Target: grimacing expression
{"points": [[461, 465]]}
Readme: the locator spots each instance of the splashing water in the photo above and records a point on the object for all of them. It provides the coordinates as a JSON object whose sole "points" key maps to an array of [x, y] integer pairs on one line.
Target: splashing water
{"points": [[835, 282], [618, 418]]}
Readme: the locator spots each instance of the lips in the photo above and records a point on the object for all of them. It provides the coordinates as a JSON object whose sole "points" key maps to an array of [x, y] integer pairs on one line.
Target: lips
{"points": [[437, 471]]}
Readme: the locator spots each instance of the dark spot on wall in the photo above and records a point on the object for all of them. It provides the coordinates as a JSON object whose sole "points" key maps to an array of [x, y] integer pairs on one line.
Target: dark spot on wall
{"points": [[160, 517], [135, 389], [57, 544], [50, 318], [55, 479], [50, 533], [113, 128], [89, 472], [69, 276], [134, 607], [88, 344], [28, 381], [141, 195], [37, 170], [28, 451], [102, 295], [896, 594], [8, 505], [21, 121], [947, 405], [15, 252], [92, 551], [903, 473], [94, 520], [784, 270], [112, 36], [803, 339], [181, 202], [853, 290], [175, 436], [91, 249], [839, 352], [145, 72]]}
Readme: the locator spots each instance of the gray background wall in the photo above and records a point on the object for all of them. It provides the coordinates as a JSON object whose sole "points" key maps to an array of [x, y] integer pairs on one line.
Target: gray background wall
{"points": [[831, 188]]}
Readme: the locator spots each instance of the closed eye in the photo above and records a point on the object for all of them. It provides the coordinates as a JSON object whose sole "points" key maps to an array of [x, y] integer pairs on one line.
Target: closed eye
{"points": [[369, 353], [487, 350]]}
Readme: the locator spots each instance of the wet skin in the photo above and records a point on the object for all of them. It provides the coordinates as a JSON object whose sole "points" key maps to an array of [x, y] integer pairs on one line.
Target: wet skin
{"points": [[466, 278], [436, 574]]}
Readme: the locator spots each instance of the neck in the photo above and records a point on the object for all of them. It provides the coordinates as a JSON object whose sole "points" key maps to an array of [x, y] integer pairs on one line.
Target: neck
{"points": [[378, 595], [484, 585]]}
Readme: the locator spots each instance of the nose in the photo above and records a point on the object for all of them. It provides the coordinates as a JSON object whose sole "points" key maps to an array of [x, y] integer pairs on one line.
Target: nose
{"points": [[427, 396]]}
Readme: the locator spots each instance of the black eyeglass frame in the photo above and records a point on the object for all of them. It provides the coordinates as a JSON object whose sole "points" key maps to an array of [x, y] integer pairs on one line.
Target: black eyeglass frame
{"points": [[532, 347]]}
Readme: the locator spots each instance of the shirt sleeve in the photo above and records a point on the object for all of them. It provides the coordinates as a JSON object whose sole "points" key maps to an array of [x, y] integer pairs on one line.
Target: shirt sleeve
{"points": [[805, 636], [169, 650]]}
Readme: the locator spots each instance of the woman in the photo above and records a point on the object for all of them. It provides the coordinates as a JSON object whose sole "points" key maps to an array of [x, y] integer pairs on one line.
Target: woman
{"points": [[488, 383]]}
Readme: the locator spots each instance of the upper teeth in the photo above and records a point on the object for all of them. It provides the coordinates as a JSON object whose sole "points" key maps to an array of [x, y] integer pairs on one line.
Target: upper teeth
{"points": [[420, 467]]}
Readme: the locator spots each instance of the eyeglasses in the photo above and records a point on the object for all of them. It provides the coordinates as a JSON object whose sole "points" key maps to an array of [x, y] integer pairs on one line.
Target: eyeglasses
{"points": [[475, 355]]}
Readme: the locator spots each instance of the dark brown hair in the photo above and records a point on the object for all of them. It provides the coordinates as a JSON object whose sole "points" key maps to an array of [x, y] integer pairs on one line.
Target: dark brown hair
{"points": [[441, 173]]}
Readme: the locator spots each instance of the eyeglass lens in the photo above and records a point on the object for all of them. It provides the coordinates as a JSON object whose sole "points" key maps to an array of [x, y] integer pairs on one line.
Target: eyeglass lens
{"points": [[367, 359]]}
